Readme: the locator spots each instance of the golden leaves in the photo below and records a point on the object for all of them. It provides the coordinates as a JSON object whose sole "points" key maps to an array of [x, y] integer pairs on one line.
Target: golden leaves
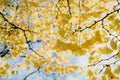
{"points": [[107, 70], [27, 62], [31, 36], [4, 69], [90, 75], [21, 65], [89, 43], [102, 78], [2, 72], [117, 56], [48, 69], [113, 44], [61, 46], [62, 32], [1, 19], [63, 19], [117, 70], [5, 2], [33, 3], [17, 51], [105, 50], [37, 63], [114, 25], [109, 74], [23, 25], [7, 66], [59, 68], [93, 59], [74, 20]]}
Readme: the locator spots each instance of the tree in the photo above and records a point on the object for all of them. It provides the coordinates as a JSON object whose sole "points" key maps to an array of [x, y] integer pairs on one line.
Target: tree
{"points": [[62, 26]]}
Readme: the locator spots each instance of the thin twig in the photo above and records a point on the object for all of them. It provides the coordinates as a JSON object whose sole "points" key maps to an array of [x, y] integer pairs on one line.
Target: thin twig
{"points": [[69, 9], [105, 59], [14, 26], [95, 22], [31, 74], [116, 37]]}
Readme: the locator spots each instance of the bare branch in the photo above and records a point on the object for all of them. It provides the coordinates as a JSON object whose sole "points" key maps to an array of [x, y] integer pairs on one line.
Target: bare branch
{"points": [[108, 65], [102, 69], [115, 62], [4, 52], [95, 22], [31, 47], [105, 59], [69, 9], [14, 26], [116, 37], [31, 74]]}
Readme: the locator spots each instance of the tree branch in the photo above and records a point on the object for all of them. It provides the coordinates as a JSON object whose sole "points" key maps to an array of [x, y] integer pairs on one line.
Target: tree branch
{"points": [[69, 9], [14, 26], [28, 43], [105, 59], [31, 74], [95, 22], [116, 37]]}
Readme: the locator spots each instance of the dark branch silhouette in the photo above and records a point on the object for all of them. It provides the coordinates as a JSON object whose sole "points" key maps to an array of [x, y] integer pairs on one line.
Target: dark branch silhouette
{"points": [[69, 9], [105, 59], [14, 26], [99, 20], [4, 52], [37, 70]]}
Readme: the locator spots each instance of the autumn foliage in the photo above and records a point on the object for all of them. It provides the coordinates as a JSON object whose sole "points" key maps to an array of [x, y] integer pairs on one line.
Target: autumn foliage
{"points": [[62, 26]]}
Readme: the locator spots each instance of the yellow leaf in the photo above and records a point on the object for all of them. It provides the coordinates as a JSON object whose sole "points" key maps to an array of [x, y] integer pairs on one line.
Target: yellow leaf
{"points": [[93, 59], [3, 72], [6, 1], [112, 77], [21, 65], [62, 32], [37, 63], [27, 62], [113, 44], [89, 43], [1, 19], [90, 75], [117, 71], [104, 50], [63, 19], [48, 69], [107, 70], [61, 46], [15, 53], [7, 66], [102, 78], [98, 35]]}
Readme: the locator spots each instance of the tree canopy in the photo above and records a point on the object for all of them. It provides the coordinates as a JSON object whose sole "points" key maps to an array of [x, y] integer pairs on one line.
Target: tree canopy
{"points": [[82, 27]]}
